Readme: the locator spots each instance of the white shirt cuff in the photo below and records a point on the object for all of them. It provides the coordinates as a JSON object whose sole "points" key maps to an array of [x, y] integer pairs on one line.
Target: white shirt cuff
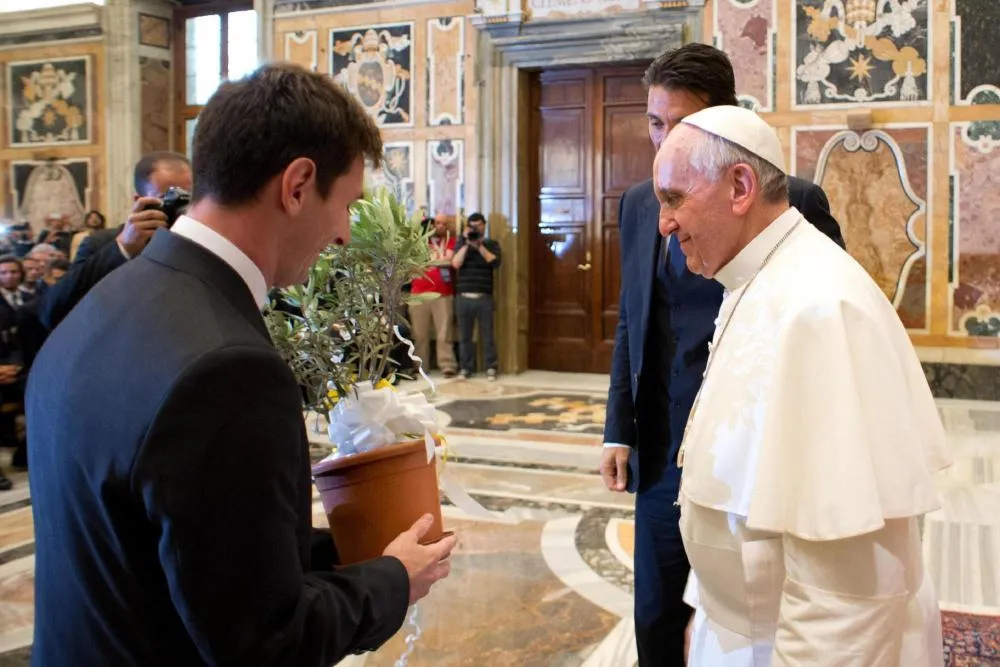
{"points": [[122, 249], [617, 444]]}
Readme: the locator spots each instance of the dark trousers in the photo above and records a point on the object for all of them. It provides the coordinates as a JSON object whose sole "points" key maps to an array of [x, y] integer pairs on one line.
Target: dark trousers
{"points": [[468, 312], [661, 571]]}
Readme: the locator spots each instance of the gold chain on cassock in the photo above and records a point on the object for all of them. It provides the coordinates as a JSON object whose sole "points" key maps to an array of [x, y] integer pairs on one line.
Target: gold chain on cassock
{"points": [[713, 349]]}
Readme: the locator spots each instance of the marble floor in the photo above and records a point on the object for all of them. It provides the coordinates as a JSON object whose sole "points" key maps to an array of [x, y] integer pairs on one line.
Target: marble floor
{"points": [[546, 579]]}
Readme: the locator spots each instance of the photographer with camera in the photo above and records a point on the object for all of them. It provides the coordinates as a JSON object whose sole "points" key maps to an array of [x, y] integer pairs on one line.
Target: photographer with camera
{"points": [[476, 258], [162, 191]]}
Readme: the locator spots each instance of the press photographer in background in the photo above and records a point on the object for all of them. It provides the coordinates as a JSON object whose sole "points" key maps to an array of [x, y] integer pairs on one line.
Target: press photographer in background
{"points": [[476, 258], [162, 191]]}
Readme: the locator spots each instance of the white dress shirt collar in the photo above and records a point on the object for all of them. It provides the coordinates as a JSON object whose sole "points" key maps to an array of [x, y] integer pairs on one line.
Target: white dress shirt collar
{"points": [[748, 261], [224, 249]]}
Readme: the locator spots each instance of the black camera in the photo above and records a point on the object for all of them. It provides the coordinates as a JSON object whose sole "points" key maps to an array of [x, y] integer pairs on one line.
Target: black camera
{"points": [[174, 204], [474, 235]]}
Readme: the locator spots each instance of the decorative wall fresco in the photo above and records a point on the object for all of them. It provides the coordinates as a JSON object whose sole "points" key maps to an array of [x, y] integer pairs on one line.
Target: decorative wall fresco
{"points": [[974, 271], [155, 101], [375, 64], [42, 188], [49, 102], [860, 51], [396, 172], [445, 71], [877, 186], [445, 176], [975, 58], [302, 48], [745, 30]]}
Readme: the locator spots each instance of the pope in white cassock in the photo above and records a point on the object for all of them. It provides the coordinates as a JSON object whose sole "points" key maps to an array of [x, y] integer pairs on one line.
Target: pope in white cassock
{"points": [[808, 455]]}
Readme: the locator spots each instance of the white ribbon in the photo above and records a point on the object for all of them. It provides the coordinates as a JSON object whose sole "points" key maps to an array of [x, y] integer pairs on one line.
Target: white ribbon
{"points": [[411, 353], [370, 418]]}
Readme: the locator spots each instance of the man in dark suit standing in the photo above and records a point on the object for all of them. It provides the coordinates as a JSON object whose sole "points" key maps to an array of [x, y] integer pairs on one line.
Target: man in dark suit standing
{"points": [[105, 250], [170, 474], [666, 320]]}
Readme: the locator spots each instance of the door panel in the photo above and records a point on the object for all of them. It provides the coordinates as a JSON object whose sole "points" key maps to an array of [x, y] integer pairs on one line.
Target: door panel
{"points": [[590, 129], [561, 303], [626, 159], [563, 151]]}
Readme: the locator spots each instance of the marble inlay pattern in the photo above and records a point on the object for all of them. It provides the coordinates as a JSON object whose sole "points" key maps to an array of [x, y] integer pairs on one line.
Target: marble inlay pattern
{"points": [[501, 606], [397, 172], [302, 48], [446, 71], [50, 102], [975, 210], [548, 579], [975, 60], [964, 381], [873, 53], [877, 186], [375, 63], [543, 411], [745, 31], [445, 176]]}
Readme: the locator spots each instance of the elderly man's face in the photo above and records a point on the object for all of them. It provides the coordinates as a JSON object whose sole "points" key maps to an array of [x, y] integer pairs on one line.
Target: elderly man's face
{"points": [[695, 208]]}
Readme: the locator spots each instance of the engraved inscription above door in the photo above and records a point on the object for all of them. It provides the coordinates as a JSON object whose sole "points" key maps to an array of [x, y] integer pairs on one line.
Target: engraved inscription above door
{"points": [[589, 126]]}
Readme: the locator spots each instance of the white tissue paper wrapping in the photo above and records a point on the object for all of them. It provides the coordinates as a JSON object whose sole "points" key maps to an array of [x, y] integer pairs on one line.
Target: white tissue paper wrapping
{"points": [[371, 418]]}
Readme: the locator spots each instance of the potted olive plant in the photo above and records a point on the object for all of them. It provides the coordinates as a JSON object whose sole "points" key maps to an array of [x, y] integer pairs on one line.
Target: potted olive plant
{"points": [[337, 333]]}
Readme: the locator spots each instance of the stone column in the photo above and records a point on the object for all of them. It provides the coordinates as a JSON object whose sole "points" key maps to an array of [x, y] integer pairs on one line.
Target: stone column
{"points": [[265, 29], [123, 117]]}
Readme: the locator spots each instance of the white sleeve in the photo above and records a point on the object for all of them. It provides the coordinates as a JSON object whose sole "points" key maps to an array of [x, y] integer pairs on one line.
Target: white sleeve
{"points": [[844, 603], [691, 590]]}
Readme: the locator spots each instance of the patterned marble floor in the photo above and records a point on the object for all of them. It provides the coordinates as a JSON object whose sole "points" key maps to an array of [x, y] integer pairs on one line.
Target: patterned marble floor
{"points": [[547, 580]]}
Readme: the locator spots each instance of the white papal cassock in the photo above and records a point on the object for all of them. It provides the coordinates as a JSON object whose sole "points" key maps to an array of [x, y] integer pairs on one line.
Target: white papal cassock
{"points": [[807, 462]]}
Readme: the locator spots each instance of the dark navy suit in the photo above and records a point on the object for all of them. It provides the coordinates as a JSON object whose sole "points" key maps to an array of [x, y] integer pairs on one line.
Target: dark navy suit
{"points": [[666, 319]]}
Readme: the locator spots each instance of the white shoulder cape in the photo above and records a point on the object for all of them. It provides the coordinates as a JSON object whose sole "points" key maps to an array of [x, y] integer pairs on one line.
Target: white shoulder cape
{"points": [[816, 418]]}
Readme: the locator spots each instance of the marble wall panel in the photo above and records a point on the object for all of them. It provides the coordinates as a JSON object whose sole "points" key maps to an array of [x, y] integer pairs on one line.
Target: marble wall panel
{"points": [[154, 31], [445, 176], [292, 6], [156, 102], [50, 102], [376, 63], [60, 187], [975, 230], [563, 9], [860, 51], [975, 58], [302, 48], [877, 183], [745, 30], [396, 172], [445, 71]]}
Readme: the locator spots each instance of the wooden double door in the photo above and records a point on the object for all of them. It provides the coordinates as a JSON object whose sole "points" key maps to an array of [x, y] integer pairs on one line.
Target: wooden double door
{"points": [[590, 129]]}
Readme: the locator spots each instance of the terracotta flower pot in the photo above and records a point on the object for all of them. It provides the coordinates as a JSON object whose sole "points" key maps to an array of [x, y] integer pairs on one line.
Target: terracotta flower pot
{"points": [[371, 498]]}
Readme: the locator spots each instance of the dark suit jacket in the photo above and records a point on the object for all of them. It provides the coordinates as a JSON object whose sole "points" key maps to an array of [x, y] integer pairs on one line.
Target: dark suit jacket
{"points": [[633, 417], [97, 256], [171, 485]]}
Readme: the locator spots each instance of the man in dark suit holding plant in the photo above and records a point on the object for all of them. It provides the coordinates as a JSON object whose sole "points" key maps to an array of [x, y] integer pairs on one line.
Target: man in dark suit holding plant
{"points": [[170, 473]]}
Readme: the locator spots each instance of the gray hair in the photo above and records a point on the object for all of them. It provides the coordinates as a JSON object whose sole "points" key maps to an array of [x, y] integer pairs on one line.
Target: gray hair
{"points": [[43, 248], [713, 155]]}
